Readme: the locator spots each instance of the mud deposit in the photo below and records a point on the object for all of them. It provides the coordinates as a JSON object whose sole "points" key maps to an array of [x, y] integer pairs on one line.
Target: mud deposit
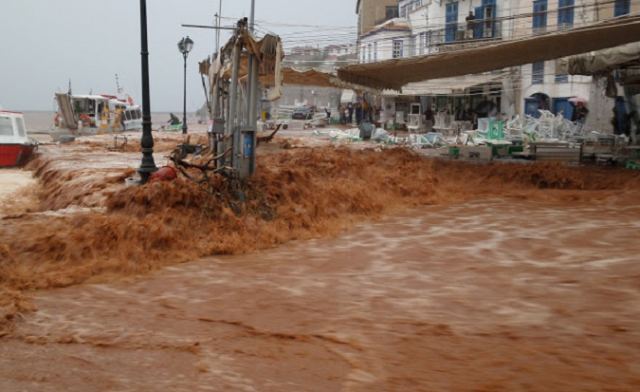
{"points": [[468, 277]]}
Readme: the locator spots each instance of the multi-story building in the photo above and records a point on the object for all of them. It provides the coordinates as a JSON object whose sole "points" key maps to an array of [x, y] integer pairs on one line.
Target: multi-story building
{"points": [[425, 27], [542, 85]]}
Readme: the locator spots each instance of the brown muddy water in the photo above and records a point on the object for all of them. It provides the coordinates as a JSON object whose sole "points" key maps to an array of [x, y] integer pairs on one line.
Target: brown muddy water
{"points": [[391, 273]]}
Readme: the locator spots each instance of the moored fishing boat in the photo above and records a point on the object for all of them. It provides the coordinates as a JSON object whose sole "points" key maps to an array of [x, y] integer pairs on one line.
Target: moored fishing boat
{"points": [[15, 146]]}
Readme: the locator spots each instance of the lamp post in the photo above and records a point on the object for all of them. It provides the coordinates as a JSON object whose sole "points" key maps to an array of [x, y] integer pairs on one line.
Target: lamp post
{"points": [[185, 45], [147, 165]]}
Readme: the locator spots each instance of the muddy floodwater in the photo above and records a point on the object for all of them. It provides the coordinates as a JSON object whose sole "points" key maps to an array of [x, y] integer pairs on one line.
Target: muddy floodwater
{"points": [[489, 296], [353, 271]]}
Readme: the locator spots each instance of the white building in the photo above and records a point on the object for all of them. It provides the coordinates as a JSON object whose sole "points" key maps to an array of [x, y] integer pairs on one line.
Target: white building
{"points": [[389, 40], [433, 26], [540, 85]]}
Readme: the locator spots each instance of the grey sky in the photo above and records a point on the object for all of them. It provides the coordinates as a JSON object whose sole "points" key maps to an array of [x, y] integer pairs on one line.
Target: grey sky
{"points": [[47, 42]]}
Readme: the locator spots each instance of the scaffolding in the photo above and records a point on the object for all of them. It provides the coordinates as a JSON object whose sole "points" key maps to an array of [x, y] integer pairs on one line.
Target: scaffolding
{"points": [[235, 92]]}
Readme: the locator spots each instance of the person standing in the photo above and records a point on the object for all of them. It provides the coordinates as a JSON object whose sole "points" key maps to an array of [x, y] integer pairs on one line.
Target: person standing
{"points": [[580, 113], [350, 110], [358, 113], [471, 25]]}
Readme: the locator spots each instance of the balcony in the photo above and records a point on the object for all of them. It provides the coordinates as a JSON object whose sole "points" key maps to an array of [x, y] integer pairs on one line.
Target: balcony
{"points": [[456, 36]]}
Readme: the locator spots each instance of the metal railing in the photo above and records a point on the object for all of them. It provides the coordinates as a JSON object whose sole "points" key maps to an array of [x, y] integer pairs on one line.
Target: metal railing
{"points": [[476, 31]]}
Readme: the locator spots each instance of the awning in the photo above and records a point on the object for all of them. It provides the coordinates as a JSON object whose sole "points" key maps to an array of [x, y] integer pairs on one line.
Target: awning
{"points": [[444, 86], [311, 77], [393, 74]]}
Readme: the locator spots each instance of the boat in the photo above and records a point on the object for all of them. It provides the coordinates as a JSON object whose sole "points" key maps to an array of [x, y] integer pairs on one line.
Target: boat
{"points": [[15, 146], [89, 114]]}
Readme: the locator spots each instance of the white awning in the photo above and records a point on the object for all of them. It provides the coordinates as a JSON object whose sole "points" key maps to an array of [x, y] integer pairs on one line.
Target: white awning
{"points": [[443, 86], [347, 96]]}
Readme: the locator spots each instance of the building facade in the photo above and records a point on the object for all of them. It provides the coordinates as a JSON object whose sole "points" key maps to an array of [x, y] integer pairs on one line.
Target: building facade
{"points": [[542, 85], [424, 27], [374, 12]]}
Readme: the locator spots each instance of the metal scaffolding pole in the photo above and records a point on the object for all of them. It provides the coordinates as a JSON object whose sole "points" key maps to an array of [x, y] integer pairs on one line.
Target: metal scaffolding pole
{"points": [[252, 113], [215, 116]]}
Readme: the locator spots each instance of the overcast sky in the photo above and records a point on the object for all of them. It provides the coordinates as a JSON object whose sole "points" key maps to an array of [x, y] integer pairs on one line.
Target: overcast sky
{"points": [[46, 43]]}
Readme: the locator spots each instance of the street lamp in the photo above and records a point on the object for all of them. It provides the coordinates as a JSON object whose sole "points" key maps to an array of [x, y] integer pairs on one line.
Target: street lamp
{"points": [[185, 45], [147, 165]]}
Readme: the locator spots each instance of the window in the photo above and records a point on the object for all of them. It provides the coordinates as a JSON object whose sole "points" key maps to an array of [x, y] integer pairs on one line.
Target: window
{"points": [[622, 7], [423, 42], [369, 48], [539, 15], [375, 51], [398, 48], [537, 73], [362, 54], [409, 6], [451, 20], [21, 128], [489, 16], [404, 11], [428, 38], [391, 12], [560, 77], [6, 126], [413, 45], [565, 14]]}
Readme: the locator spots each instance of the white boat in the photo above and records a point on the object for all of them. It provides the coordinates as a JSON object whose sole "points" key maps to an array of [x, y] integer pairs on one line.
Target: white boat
{"points": [[15, 146], [97, 113]]}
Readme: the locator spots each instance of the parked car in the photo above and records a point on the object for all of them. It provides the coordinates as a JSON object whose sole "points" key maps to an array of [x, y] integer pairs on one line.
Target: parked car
{"points": [[302, 113]]}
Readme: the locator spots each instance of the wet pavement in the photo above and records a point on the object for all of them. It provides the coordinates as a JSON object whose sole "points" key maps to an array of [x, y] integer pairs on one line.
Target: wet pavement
{"points": [[489, 295]]}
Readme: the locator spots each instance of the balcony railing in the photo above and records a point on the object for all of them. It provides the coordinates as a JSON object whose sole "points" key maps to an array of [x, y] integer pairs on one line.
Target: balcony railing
{"points": [[457, 35]]}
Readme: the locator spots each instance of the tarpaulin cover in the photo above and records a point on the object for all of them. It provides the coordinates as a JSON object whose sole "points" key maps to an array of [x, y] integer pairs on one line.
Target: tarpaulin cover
{"points": [[602, 60], [393, 74], [269, 51]]}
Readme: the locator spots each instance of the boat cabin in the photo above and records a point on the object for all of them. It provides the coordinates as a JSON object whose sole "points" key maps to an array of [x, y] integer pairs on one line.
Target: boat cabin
{"points": [[15, 146]]}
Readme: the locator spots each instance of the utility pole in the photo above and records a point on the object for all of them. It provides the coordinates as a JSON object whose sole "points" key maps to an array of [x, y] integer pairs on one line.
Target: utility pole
{"points": [[217, 23], [252, 21], [219, 17]]}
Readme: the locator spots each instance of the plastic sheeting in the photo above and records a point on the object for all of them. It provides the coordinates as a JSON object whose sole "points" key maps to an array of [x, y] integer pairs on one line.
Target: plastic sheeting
{"points": [[600, 61]]}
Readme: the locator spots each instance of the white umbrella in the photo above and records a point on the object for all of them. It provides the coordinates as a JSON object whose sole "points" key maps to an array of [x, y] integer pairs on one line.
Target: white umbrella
{"points": [[576, 100]]}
